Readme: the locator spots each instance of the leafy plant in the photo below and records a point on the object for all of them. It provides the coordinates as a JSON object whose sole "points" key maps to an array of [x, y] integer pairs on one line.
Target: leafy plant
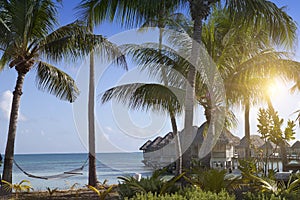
{"points": [[250, 166], [22, 186], [73, 187], [269, 185], [270, 128], [210, 179], [187, 194], [154, 184], [101, 194], [51, 191]]}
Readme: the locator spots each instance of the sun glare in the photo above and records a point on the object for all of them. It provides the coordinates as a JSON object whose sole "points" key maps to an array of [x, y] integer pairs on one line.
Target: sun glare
{"points": [[276, 89]]}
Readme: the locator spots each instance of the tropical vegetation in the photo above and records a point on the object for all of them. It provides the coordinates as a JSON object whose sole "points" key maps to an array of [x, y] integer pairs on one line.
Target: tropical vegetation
{"points": [[219, 56], [30, 42]]}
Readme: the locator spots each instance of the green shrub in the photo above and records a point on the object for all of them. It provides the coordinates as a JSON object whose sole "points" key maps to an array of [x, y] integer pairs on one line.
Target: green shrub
{"points": [[197, 194], [260, 196], [154, 184], [188, 194], [151, 196], [270, 196], [213, 180]]}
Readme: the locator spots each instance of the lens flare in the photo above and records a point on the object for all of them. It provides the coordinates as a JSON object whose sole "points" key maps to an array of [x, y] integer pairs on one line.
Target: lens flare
{"points": [[276, 89]]}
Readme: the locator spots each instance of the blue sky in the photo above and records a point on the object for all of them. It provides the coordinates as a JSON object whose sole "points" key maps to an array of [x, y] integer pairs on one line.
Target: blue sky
{"points": [[49, 125]]}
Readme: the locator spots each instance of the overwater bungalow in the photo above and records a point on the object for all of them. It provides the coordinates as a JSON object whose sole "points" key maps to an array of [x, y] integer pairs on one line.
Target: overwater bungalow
{"points": [[269, 149], [295, 149], [223, 153], [255, 143], [161, 152]]}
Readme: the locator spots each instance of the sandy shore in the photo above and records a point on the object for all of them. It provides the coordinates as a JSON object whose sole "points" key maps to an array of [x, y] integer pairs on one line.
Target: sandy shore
{"points": [[82, 193]]}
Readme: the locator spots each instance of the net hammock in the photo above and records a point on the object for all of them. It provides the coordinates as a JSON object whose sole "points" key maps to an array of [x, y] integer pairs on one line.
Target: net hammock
{"points": [[66, 174]]}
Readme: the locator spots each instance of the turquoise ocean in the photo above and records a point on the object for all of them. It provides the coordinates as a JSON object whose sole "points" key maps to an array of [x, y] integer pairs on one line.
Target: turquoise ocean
{"points": [[109, 166]]}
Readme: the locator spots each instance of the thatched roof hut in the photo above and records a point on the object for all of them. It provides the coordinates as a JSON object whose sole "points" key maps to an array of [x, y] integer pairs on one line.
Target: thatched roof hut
{"points": [[154, 144], [268, 145], [227, 137], [296, 145], [255, 141], [166, 140], [145, 146]]}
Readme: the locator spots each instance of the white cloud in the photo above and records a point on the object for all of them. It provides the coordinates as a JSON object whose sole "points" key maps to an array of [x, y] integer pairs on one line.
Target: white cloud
{"points": [[5, 105]]}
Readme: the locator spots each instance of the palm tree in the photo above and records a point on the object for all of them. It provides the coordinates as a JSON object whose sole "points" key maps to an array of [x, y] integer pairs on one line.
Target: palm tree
{"points": [[235, 48], [220, 54], [252, 13], [146, 96], [211, 39], [247, 86], [29, 43], [130, 13], [162, 20], [88, 10]]}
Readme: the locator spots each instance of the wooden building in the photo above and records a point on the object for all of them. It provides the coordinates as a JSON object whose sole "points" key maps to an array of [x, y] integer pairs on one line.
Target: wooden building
{"points": [[162, 152]]}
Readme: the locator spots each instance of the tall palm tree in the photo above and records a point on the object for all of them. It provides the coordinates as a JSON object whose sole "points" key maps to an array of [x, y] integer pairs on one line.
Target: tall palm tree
{"points": [[251, 13], [157, 97], [247, 86], [260, 18], [30, 43], [90, 11], [130, 13], [165, 18], [224, 56], [252, 89], [262, 36]]}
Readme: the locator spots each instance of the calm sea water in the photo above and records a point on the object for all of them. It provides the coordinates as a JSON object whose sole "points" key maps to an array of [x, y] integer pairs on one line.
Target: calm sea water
{"points": [[109, 166]]}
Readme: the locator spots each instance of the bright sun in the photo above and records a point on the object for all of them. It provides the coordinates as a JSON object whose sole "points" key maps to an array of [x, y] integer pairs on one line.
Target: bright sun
{"points": [[276, 89]]}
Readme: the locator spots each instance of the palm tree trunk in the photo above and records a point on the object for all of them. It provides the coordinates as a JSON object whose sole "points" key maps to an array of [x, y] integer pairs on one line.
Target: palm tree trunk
{"points": [[190, 91], [172, 116], [173, 121], [10, 145], [91, 119], [247, 129], [177, 145]]}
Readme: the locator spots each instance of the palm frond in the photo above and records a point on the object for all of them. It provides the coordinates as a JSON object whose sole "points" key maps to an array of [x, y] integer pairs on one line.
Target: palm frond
{"points": [[29, 20], [4, 60], [152, 60], [7, 186], [298, 116], [265, 14], [146, 96], [56, 82], [65, 42], [4, 24], [127, 13], [174, 21], [73, 41], [295, 87], [94, 190]]}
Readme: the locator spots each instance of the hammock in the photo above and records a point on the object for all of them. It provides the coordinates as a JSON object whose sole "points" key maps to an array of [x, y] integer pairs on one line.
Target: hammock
{"points": [[66, 174]]}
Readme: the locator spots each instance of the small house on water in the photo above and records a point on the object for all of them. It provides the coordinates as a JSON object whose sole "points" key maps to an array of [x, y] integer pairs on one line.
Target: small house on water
{"points": [[161, 152]]}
